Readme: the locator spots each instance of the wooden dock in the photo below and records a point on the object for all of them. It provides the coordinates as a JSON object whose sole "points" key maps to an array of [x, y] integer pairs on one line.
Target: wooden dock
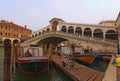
{"points": [[78, 72]]}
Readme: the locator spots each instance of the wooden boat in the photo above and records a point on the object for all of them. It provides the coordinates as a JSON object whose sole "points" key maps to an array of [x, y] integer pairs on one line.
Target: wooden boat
{"points": [[85, 58], [35, 63], [78, 54]]}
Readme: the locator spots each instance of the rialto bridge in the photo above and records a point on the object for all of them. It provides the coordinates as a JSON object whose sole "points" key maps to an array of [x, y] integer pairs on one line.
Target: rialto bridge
{"points": [[100, 36]]}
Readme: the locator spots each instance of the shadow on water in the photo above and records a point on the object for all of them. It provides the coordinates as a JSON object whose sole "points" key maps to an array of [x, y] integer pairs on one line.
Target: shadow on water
{"points": [[53, 74]]}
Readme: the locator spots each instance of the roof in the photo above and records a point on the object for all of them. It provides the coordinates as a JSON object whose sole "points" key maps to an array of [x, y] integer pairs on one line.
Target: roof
{"points": [[108, 21]]}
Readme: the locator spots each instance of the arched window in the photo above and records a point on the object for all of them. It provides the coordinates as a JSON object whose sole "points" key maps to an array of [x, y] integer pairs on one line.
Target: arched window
{"points": [[70, 29], [43, 31], [98, 33], [78, 31], [39, 33], [63, 29], [87, 32], [54, 26], [32, 36], [111, 34], [36, 35], [47, 30]]}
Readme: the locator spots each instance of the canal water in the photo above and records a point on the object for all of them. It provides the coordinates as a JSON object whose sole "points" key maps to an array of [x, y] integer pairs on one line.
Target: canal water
{"points": [[53, 74]]}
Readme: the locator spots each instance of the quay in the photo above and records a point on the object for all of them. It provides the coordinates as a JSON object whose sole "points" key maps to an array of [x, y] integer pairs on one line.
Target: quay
{"points": [[78, 72]]}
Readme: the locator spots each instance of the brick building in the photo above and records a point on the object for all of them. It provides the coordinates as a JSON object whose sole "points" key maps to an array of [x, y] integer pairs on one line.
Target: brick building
{"points": [[11, 30]]}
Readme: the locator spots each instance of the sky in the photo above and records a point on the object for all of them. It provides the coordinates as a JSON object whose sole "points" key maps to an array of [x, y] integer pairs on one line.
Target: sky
{"points": [[36, 14]]}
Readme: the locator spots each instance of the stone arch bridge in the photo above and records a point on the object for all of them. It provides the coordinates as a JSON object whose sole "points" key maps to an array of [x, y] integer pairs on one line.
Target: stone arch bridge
{"points": [[96, 36], [57, 37]]}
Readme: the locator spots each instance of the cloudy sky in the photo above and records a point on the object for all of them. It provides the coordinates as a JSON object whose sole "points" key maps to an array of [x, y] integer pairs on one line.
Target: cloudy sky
{"points": [[36, 14]]}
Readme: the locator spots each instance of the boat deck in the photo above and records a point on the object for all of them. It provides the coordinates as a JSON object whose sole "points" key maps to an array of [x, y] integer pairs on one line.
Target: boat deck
{"points": [[78, 72]]}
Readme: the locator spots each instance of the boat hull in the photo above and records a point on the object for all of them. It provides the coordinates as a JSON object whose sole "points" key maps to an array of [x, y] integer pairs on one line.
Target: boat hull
{"points": [[33, 66], [86, 58]]}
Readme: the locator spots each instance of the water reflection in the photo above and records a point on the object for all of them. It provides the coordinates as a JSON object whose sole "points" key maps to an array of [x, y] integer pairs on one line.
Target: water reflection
{"points": [[53, 74]]}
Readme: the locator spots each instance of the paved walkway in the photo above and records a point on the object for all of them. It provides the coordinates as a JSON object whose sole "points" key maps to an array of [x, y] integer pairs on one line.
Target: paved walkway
{"points": [[112, 72]]}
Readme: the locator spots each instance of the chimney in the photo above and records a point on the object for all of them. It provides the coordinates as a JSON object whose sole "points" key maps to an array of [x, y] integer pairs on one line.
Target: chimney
{"points": [[25, 26]]}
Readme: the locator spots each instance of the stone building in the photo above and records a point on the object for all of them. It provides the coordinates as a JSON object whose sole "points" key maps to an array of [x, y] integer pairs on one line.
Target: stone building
{"points": [[10, 30]]}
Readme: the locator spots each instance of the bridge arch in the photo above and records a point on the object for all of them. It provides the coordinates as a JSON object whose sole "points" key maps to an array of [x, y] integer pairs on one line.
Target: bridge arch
{"points": [[64, 29], [111, 34], [71, 29], [87, 32], [48, 30], [39, 33], [54, 25], [52, 40], [98, 33], [78, 31], [43, 31]]}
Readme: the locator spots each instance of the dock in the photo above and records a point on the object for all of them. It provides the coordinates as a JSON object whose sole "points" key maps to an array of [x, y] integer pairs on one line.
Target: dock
{"points": [[78, 72]]}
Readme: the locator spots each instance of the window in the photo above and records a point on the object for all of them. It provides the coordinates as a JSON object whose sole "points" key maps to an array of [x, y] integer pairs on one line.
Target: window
{"points": [[0, 33], [7, 34], [7, 28], [15, 29], [15, 35], [1, 26]]}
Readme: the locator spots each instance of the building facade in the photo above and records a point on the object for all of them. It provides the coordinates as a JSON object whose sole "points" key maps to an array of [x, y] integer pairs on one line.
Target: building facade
{"points": [[117, 24], [9, 30]]}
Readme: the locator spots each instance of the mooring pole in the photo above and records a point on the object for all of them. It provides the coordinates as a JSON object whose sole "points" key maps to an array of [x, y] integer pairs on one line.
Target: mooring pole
{"points": [[45, 49], [50, 53], [73, 51], [7, 60]]}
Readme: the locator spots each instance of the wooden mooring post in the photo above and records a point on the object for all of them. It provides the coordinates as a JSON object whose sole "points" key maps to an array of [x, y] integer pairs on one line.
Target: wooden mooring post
{"points": [[50, 53], [15, 54], [7, 60]]}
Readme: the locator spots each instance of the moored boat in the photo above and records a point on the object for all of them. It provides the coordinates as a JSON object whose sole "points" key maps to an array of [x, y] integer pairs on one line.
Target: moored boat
{"points": [[32, 61], [86, 58], [79, 54]]}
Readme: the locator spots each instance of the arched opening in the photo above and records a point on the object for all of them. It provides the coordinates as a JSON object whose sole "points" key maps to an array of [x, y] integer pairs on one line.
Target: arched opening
{"points": [[39, 33], [70, 29], [36, 35], [32, 36], [111, 35], [48, 30], [63, 29], [43, 31], [7, 40], [98, 33], [87, 32], [15, 41], [78, 31], [54, 26]]}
